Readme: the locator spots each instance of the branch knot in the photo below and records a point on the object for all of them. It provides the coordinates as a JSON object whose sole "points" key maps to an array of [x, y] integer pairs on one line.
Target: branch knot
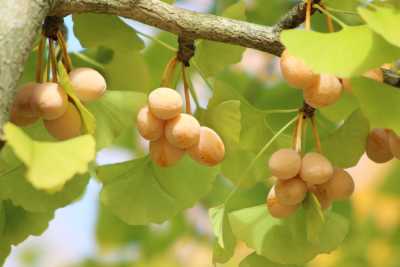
{"points": [[51, 26], [186, 50]]}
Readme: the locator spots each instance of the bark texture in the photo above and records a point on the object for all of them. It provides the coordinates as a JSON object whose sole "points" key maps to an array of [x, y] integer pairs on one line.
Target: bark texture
{"points": [[20, 22]]}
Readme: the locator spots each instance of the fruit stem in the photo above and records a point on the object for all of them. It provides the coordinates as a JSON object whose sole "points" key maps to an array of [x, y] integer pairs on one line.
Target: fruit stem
{"points": [[53, 61], [326, 13], [63, 44], [298, 132], [329, 22], [39, 62], [308, 15], [259, 154], [169, 71], [316, 135], [194, 94], [162, 43], [186, 89]]}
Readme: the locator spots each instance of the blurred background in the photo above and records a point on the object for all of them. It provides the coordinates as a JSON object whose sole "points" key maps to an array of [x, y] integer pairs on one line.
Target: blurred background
{"points": [[85, 234]]}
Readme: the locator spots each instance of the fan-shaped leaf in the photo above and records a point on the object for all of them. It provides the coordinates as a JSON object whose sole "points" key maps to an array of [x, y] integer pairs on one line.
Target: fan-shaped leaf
{"points": [[139, 192], [50, 165]]}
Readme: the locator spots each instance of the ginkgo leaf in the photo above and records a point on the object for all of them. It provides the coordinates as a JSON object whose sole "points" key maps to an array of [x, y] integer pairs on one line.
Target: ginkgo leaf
{"points": [[226, 242], [115, 112], [140, 192], [383, 20], [379, 103], [19, 223], [285, 241], [213, 57], [330, 52], [345, 146], [95, 30], [225, 119], [315, 218], [89, 121], [20, 191], [50, 164], [254, 260]]}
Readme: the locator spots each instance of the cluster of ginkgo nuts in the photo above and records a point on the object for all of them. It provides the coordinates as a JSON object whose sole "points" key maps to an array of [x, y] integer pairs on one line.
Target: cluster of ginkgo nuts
{"points": [[319, 90], [50, 102], [383, 145], [297, 176], [172, 133]]}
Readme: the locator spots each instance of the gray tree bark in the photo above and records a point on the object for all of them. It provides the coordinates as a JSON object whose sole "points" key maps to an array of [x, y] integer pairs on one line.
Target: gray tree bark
{"points": [[20, 22]]}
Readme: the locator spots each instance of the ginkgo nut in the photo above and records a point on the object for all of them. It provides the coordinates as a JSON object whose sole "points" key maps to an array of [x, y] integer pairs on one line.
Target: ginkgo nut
{"points": [[163, 153], [296, 72], [49, 100], [377, 147], [291, 192], [88, 83], [69, 125], [323, 93], [285, 163], [183, 131], [315, 168], [340, 186], [276, 209], [165, 103], [210, 149], [150, 127]]}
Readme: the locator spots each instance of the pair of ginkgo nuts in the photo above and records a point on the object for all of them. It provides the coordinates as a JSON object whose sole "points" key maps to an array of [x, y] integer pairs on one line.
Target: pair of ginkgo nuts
{"points": [[296, 176], [50, 101], [382, 145], [172, 133], [319, 90]]}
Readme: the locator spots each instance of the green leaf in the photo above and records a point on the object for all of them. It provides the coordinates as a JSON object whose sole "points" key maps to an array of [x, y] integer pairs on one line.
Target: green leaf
{"points": [[157, 56], [2, 218], [345, 146], [127, 71], [343, 108], [285, 241], [50, 165], [95, 30], [111, 232], [330, 52], [314, 218], [20, 224], [254, 260], [254, 134], [225, 246], [225, 118], [89, 121], [15, 187], [383, 20], [140, 192], [115, 112], [213, 57], [379, 102]]}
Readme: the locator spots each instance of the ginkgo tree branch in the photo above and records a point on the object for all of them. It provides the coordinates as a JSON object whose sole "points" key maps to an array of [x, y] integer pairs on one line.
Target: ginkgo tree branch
{"points": [[193, 25], [20, 22]]}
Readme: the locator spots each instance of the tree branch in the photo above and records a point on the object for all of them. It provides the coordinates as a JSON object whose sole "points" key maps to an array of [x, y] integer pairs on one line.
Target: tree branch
{"points": [[20, 23], [193, 25]]}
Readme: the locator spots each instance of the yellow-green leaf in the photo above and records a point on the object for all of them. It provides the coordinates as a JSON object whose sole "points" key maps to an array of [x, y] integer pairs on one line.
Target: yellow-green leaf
{"points": [[50, 165]]}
